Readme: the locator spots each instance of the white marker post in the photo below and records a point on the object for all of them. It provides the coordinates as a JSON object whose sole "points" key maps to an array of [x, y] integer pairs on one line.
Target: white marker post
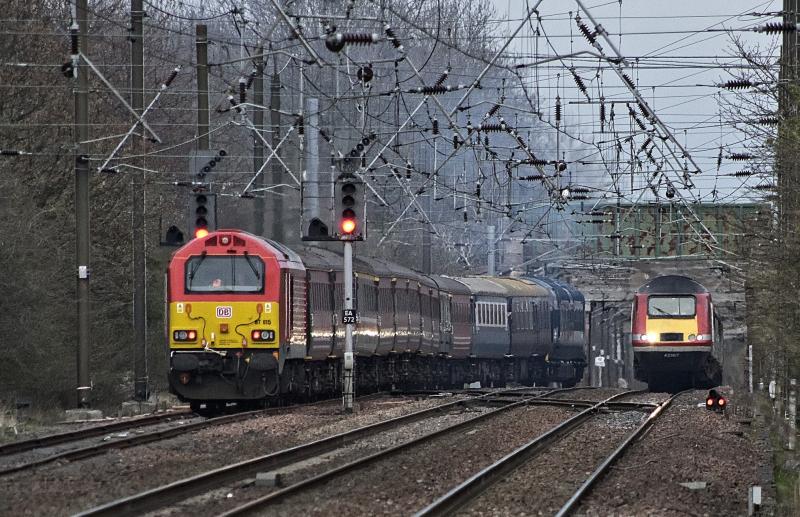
{"points": [[347, 319], [600, 362]]}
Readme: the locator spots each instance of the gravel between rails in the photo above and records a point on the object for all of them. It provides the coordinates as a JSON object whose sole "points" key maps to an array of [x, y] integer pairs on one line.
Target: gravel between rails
{"points": [[543, 484], [43, 452], [408, 482], [588, 394], [63, 489], [220, 500], [687, 443]]}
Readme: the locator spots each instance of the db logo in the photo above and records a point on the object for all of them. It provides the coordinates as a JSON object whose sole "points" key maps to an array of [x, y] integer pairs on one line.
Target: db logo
{"points": [[224, 312]]}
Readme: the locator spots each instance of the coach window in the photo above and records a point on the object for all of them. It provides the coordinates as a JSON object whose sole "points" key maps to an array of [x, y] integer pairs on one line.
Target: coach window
{"points": [[225, 274], [671, 306]]}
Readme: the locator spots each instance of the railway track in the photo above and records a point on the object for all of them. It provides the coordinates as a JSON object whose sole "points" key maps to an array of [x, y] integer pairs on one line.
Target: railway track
{"points": [[181, 490], [83, 451], [88, 432], [474, 496], [292, 494]]}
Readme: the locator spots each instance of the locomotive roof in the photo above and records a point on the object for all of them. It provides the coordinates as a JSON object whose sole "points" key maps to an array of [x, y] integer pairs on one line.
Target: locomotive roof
{"points": [[482, 285], [521, 287], [672, 284], [241, 241]]}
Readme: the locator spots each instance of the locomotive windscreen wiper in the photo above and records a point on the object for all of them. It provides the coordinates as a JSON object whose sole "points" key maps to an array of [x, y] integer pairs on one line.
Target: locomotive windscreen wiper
{"points": [[252, 265], [196, 267]]}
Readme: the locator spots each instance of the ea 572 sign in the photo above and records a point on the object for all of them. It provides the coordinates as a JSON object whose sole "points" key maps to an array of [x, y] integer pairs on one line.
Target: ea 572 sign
{"points": [[349, 316]]}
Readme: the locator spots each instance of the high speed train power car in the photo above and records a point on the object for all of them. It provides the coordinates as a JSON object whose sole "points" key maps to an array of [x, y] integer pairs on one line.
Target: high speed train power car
{"points": [[676, 335], [249, 319]]}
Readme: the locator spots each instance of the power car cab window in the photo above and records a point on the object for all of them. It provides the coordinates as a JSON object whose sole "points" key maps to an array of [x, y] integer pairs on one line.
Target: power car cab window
{"points": [[671, 306]]}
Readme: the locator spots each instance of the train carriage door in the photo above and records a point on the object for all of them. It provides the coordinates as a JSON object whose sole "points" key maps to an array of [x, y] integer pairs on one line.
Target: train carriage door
{"points": [[285, 323], [395, 306]]}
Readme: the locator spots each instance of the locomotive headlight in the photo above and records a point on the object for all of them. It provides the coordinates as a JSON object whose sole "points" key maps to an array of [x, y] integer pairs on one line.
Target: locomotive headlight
{"points": [[652, 337], [265, 335], [703, 337], [192, 335], [692, 337], [182, 335]]}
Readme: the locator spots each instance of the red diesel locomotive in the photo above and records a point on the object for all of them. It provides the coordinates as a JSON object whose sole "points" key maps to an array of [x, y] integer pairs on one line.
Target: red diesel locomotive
{"points": [[249, 320]]}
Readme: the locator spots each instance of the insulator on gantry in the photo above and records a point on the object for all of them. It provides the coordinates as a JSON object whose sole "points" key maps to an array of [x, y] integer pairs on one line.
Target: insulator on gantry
{"points": [[488, 128], [435, 90], [645, 144], [636, 118], [740, 157], [336, 41], [579, 83], [442, 78], [769, 121], [535, 161], [737, 84], [776, 27], [644, 109], [602, 114], [435, 126], [558, 110], [387, 29], [590, 36], [628, 80]]}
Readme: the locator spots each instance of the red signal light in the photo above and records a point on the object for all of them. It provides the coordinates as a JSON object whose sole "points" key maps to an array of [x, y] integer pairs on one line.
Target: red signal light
{"points": [[709, 402], [348, 226], [200, 232], [721, 401]]}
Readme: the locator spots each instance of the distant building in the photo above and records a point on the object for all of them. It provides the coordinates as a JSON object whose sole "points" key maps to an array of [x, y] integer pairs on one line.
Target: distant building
{"points": [[668, 230]]}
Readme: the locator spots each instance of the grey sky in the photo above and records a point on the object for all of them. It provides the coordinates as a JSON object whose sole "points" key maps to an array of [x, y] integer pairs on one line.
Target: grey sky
{"points": [[678, 84]]}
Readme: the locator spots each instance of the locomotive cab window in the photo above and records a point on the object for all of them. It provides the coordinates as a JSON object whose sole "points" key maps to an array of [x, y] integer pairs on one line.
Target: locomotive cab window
{"points": [[224, 274], [671, 306]]}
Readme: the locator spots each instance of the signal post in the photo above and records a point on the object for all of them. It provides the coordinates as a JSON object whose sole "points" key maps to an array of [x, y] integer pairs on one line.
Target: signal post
{"points": [[351, 208]]}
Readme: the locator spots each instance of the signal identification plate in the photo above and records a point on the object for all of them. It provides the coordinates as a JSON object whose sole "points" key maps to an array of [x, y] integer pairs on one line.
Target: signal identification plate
{"points": [[349, 316]]}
